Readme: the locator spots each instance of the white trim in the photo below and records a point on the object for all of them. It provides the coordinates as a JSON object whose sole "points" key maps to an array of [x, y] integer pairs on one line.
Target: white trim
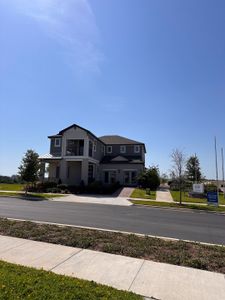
{"points": [[59, 142], [136, 147], [124, 149], [107, 149], [80, 158]]}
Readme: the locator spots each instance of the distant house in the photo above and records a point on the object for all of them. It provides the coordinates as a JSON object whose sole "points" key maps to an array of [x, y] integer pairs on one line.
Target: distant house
{"points": [[77, 155]]}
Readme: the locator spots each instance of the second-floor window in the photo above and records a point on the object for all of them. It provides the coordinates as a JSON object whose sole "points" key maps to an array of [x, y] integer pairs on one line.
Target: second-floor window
{"points": [[75, 148], [122, 149], [109, 149], [57, 142], [90, 151], [136, 148]]}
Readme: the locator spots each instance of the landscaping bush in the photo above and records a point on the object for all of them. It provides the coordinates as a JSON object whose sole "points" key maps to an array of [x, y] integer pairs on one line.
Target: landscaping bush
{"points": [[53, 190]]}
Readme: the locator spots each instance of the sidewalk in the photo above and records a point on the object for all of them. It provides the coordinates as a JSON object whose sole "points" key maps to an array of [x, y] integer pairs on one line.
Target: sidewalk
{"points": [[147, 278]]}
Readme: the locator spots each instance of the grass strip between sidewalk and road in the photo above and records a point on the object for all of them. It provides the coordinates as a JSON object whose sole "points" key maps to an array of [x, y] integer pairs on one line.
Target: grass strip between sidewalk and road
{"points": [[141, 193], [18, 282], [196, 255], [177, 205], [30, 195]]}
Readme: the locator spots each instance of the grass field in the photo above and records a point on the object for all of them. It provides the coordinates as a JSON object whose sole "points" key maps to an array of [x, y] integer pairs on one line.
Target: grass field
{"points": [[17, 282], [11, 187], [141, 193], [185, 198], [181, 253]]}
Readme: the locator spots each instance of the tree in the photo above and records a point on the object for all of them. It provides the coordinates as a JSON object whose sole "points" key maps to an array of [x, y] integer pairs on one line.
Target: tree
{"points": [[29, 168], [178, 167], [164, 178], [193, 169], [150, 178]]}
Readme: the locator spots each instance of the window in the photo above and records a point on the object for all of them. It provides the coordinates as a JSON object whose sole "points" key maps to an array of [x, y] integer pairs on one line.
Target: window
{"points": [[95, 146], [90, 173], [110, 177], [122, 149], [136, 148], [109, 149], [75, 148], [90, 152], [103, 149], [57, 172], [57, 142]]}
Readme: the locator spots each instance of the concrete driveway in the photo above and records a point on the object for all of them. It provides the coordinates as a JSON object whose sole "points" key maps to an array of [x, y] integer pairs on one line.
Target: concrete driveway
{"points": [[97, 199]]}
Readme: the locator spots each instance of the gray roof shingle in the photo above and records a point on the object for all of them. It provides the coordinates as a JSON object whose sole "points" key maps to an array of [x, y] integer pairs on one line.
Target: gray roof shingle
{"points": [[117, 140]]}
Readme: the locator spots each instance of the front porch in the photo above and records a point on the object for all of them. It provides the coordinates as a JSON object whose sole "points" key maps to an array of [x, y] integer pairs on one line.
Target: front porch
{"points": [[69, 171]]}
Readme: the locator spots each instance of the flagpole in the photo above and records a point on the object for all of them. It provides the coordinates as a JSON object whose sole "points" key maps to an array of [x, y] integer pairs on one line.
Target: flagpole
{"points": [[216, 163], [223, 171]]}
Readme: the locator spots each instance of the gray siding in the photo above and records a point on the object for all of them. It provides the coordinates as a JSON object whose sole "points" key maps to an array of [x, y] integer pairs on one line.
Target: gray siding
{"points": [[98, 154], [129, 150], [56, 151]]}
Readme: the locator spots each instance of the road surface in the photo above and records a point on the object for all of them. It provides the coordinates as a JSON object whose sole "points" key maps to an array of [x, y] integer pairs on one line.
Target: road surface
{"points": [[180, 224]]}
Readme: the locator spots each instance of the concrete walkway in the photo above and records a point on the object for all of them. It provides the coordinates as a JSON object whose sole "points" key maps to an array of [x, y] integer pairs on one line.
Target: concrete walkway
{"points": [[93, 199], [164, 195], [147, 278]]}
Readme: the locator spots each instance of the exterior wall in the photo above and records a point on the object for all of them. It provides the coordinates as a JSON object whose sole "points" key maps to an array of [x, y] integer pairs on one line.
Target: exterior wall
{"points": [[74, 174], [120, 168], [56, 151], [52, 170], [75, 133], [99, 153], [129, 150]]}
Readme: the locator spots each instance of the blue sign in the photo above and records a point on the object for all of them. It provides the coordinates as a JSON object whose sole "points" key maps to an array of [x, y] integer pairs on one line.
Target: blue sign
{"points": [[212, 198]]}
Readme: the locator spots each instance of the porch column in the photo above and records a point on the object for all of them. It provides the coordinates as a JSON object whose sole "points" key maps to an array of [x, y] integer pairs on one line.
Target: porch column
{"points": [[42, 171], [84, 171], [63, 170]]}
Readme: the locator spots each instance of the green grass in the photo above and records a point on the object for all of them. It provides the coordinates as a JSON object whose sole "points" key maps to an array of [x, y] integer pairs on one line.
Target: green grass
{"points": [[185, 198], [177, 205], [206, 257], [141, 193], [17, 282], [33, 195], [11, 187]]}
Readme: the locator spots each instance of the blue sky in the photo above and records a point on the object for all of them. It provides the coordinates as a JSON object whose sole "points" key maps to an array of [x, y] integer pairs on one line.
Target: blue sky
{"points": [[150, 70]]}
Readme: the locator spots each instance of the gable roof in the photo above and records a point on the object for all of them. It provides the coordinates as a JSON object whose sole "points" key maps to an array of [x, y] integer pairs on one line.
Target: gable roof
{"points": [[72, 126]]}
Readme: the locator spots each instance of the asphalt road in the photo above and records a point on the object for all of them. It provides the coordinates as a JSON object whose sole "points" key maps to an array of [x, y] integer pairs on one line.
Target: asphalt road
{"points": [[188, 225]]}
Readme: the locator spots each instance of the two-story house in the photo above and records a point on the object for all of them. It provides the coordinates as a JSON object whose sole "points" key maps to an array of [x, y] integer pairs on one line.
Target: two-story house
{"points": [[77, 155]]}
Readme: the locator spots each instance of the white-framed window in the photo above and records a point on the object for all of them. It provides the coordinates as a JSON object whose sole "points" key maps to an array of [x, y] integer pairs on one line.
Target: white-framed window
{"points": [[109, 149], [95, 146], [136, 148], [57, 142], [122, 149]]}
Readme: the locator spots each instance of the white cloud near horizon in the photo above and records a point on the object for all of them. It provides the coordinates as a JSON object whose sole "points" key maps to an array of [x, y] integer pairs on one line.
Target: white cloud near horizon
{"points": [[72, 24]]}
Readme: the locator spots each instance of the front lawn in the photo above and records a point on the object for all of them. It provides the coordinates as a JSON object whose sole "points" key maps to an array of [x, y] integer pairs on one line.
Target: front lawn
{"points": [[31, 195], [141, 193], [211, 258], [17, 282], [186, 198], [177, 205], [11, 187]]}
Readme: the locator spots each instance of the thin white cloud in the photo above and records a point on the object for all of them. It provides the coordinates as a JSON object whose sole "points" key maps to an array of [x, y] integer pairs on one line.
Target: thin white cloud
{"points": [[72, 24]]}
